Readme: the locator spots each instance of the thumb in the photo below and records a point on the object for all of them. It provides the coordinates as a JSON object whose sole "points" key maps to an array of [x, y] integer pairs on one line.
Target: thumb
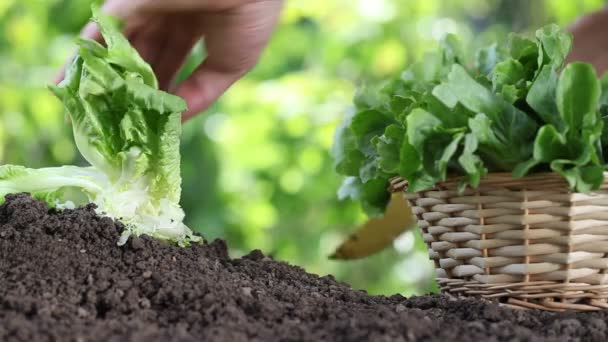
{"points": [[234, 41], [204, 86]]}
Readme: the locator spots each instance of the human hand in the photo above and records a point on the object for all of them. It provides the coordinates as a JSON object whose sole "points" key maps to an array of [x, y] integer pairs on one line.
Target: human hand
{"points": [[590, 40], [164, 32]]}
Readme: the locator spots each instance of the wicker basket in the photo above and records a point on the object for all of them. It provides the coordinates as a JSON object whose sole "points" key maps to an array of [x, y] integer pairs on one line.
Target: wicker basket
{"points": [[530, 243]]}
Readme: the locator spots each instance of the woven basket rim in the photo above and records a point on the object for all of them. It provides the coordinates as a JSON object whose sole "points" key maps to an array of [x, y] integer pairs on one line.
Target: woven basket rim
{"points": [[535, 180]]}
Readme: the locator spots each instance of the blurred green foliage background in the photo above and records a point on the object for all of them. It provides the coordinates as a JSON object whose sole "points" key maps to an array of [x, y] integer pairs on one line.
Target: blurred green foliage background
{"points": [[257, 167]]}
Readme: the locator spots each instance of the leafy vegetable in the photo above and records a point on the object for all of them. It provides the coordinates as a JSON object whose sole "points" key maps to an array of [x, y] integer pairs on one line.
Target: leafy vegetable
{"points": [[129, 132], [515, 108]]}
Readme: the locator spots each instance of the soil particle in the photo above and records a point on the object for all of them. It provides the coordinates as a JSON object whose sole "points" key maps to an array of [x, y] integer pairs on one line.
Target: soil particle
{"points": [[147, 290]]}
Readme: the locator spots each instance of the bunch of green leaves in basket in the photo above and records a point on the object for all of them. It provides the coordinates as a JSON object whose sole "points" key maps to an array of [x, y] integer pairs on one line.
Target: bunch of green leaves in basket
{"points": [[515, 107]]}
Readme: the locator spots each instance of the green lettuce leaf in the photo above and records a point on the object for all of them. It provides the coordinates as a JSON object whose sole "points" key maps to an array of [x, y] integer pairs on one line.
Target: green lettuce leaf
{"points": [[554, 45], [506, 131], [471, 163], [508, 80], [129, 132], [388, 148]]}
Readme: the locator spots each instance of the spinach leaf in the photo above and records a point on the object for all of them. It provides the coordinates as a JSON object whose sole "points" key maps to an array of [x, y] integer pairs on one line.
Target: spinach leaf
{"points": [[578, 93]]}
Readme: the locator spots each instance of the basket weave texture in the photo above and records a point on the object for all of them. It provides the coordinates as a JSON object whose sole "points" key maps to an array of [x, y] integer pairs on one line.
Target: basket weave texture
{"points": [[529, 242]]}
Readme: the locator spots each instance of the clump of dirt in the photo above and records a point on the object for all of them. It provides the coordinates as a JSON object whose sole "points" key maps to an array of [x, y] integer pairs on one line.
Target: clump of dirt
{"points": [[63, 278]]}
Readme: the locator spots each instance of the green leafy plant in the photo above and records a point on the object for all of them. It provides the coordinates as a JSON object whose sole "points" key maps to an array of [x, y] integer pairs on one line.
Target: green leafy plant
{"points": [[129, 132], [514, 108]]}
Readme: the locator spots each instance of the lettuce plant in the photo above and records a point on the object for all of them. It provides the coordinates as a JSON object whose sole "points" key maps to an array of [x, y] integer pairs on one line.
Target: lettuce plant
{"points": [[128, 131], [511, 107]]}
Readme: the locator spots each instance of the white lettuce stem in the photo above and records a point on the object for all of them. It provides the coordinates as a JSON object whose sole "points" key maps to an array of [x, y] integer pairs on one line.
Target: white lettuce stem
{"points": [[53, 178]]}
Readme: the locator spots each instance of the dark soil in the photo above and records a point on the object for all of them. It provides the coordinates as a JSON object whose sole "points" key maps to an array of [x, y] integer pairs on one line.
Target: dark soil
{"points": [[63, 278]]}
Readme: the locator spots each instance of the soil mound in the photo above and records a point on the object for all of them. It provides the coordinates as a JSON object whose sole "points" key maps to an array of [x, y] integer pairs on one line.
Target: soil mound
{"points": [[63, 278]]}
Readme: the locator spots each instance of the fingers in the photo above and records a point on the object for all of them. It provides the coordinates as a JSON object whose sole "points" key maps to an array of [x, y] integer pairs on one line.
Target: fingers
{"points": [[188, 5], [235, 33], [234, 40], [126, 8], [203, 87], [165, 43]]}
